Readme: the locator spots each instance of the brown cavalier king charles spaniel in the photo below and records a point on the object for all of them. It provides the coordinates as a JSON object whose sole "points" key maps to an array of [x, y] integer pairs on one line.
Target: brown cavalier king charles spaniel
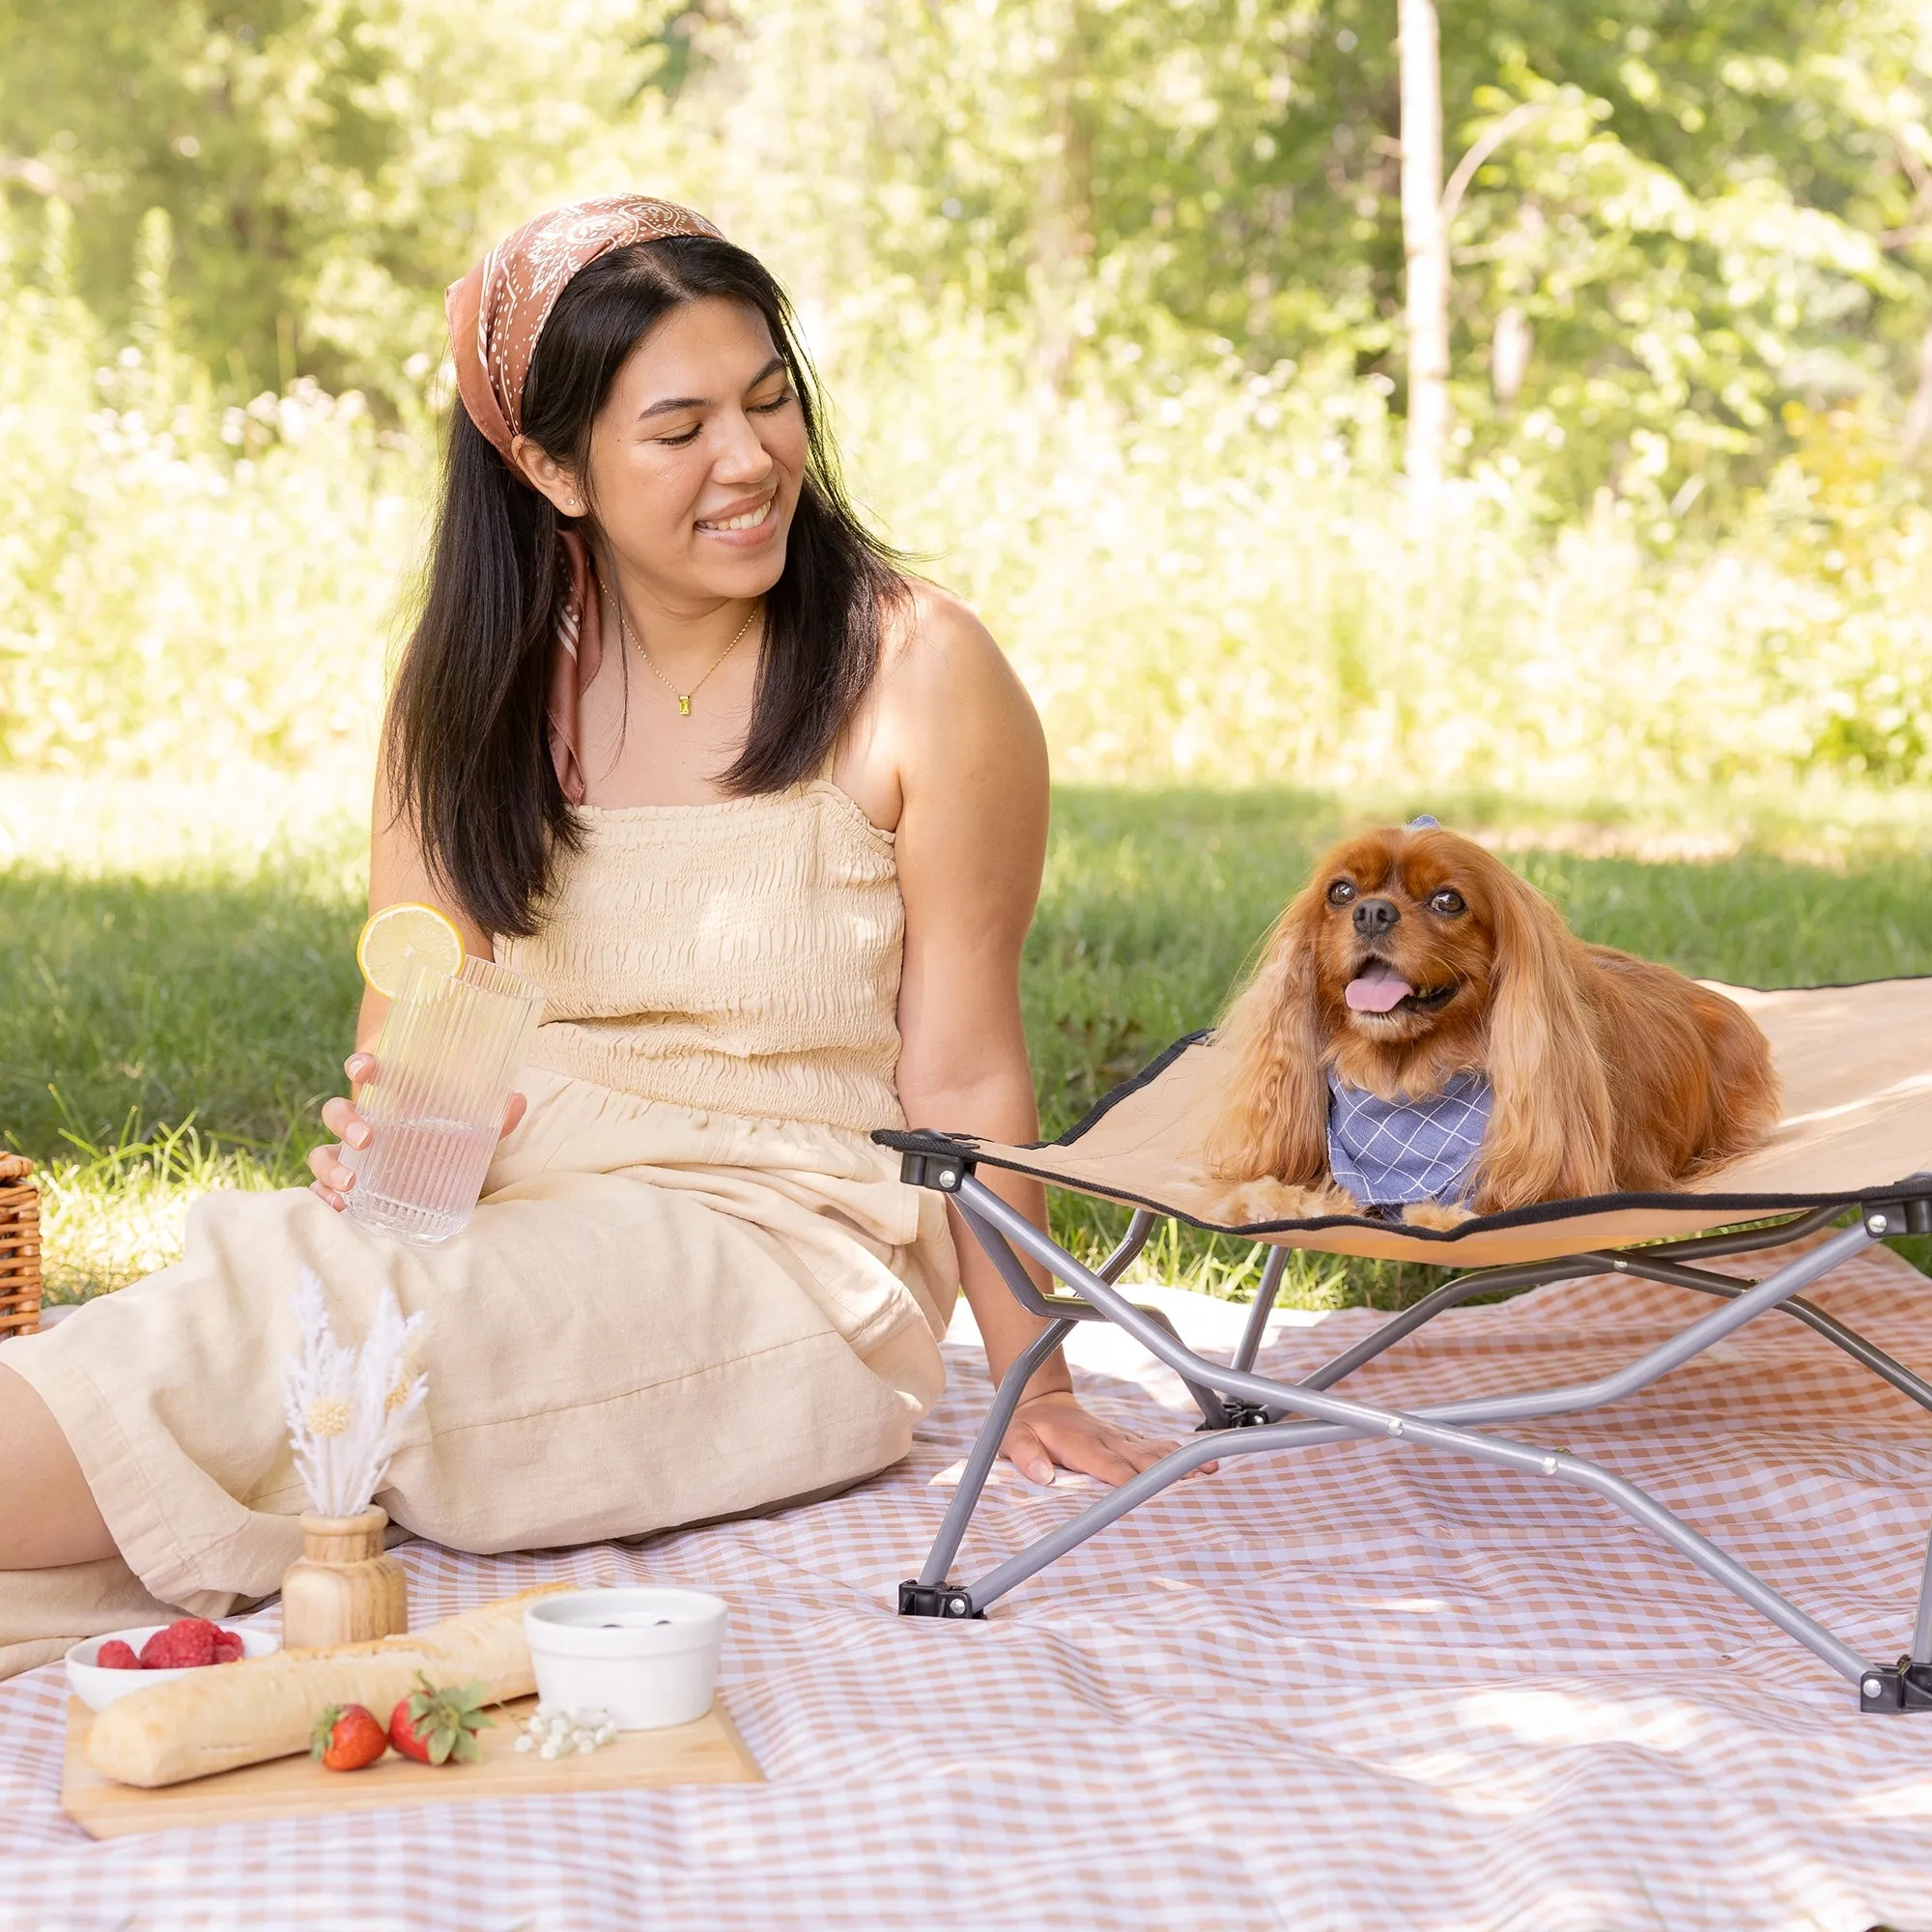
{"points": [[1425, 1036]]}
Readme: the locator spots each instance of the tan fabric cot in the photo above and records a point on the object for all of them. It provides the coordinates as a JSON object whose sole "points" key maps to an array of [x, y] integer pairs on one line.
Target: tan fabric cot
{"points": [[1856, 1064]]}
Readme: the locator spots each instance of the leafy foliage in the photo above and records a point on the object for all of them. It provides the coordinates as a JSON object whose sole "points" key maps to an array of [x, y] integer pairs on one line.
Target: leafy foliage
{"points": [[326, 165], [1699, 210]]}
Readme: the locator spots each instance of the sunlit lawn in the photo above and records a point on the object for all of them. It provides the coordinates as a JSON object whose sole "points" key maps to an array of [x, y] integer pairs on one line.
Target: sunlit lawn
{"points": [[181, 957]]}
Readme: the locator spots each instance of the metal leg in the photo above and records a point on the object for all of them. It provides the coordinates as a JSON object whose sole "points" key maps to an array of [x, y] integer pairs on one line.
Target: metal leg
{"points": [[1653, 1263], [1214, 1410], [1922, 1628], [1131, 1243], [1867, 1354], [979, 1203], [1266, 1290], [1436, 1302], [1072, 1307], [1748, 1241], [1331, 1418], [987, 1452], [1715, 1563]]}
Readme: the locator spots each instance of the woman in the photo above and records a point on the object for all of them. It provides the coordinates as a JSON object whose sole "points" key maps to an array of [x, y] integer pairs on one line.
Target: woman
{"points": [[766, 820]]}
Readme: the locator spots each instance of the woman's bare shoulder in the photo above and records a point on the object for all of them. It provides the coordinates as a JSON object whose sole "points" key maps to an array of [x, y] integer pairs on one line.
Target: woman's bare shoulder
{"points": [[940, 666], [947, 719]]}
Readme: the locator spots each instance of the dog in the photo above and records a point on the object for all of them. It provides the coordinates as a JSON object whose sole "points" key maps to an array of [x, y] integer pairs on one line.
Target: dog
{"points": [[1419, 1004]]}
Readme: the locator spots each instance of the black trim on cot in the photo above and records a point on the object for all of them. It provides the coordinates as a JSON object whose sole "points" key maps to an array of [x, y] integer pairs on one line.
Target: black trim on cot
{"points": [[964, 1146], [1113, 1095]]}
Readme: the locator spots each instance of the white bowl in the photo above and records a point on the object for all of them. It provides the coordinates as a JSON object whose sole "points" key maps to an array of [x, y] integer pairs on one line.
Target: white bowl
{"points": [[98, 1689], [647, 1657]]}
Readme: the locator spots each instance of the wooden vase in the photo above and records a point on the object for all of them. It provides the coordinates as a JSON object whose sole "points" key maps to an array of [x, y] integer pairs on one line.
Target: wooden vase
{"points": [[343, 1589]]}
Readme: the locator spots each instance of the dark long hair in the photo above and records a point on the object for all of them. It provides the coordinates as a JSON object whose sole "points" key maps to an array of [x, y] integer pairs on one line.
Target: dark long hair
{"points": [[467, 747]]}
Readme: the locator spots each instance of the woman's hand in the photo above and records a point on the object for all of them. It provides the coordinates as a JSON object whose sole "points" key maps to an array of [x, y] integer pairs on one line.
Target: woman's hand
{"points": [[332, 1180], [1052, 1430]]}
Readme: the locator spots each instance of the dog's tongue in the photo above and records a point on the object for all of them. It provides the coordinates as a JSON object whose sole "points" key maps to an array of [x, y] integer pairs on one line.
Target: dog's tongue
{"points": [[1379, 990]]}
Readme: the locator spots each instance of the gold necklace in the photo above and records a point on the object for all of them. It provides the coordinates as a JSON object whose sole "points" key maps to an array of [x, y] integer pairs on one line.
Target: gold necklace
{"points": [[683, 698]]}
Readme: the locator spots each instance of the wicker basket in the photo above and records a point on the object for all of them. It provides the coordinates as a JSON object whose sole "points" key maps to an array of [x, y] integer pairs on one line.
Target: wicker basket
{"points": [[19, 1247]]}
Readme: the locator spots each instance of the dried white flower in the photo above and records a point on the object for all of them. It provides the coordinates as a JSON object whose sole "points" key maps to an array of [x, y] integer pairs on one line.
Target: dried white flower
{"points": [[346, 1407], [327, 1415]]}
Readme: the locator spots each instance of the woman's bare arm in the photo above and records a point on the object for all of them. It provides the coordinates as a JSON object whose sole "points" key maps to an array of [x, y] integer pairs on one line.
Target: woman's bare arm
{"points": [[972, 841]]}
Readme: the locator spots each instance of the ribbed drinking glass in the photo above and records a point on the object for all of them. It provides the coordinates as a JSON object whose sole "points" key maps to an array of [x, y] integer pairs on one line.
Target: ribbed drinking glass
{"points": [[449, 1050]]}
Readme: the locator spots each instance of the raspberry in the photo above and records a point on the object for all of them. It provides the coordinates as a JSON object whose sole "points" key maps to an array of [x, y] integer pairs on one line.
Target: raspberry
{"points": [[115, 1655], [182, 1645], [228, 1646]]}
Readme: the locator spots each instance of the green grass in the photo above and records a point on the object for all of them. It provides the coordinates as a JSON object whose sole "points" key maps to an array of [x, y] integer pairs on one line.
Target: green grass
{"points": [[211, 985], [126, 999]]}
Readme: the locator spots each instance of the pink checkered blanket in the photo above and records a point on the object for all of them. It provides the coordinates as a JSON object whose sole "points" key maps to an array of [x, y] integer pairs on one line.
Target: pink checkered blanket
{"points": [[1362, 1687]]}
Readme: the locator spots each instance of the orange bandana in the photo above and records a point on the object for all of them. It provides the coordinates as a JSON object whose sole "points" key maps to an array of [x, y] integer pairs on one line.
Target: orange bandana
{"points": [[497, 312]]}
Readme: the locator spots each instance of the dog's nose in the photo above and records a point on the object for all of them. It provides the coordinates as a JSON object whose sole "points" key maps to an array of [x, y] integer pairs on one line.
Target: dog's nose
{"points": [[1375, 917]]}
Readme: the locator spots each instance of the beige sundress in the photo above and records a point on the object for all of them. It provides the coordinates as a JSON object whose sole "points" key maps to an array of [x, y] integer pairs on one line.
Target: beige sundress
{"points": [[692, 1288]]}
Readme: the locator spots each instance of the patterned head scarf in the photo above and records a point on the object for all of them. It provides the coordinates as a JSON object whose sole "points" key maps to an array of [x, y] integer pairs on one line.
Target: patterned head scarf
{"points": [[497, 312]]}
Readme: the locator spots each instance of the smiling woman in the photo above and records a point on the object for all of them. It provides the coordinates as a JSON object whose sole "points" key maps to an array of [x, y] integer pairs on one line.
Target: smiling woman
{"points": [[676, 739]]}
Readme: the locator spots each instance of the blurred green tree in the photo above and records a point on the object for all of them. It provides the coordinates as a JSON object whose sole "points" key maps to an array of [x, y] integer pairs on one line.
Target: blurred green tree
{"points": [[327, 164], [1679, 216]]}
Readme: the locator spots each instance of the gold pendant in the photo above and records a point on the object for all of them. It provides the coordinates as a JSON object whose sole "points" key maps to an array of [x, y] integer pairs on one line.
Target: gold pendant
{"points": [[684, 705]]}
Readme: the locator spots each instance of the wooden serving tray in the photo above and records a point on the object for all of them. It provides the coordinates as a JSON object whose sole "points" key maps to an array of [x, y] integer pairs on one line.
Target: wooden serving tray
{"points": [[709, 1751]]}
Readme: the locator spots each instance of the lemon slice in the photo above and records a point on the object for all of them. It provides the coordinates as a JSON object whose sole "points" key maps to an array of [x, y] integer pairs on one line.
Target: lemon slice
{"points": [[402, 936]]}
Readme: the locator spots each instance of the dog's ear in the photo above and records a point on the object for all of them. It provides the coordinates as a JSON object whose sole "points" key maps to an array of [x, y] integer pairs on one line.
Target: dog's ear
{"points": [[1272, 1120], [1551, 1132]]}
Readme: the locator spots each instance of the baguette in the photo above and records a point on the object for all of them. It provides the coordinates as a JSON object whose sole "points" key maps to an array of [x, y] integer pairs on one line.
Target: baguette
{"points": [[266, 1707]]}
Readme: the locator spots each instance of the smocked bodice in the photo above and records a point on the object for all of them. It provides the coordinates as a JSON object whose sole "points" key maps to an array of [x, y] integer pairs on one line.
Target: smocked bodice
{"points": [[741, 957]]}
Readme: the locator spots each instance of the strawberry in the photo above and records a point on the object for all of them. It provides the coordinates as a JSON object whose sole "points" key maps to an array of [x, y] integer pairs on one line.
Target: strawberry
{"points": [[439, 1726], [228, 1646], [347, 1737], [182, 1645], [116, 1655]]}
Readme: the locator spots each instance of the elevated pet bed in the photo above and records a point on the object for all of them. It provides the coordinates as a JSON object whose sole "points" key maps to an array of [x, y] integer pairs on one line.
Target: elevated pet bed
{"points": [[1855, 1144]]}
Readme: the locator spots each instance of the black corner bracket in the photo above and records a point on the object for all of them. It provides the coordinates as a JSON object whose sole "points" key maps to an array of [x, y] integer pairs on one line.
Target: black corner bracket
{"points": [[1237, 1415], [942, 1173], [1910, 1214], [938, 1599], [1905, 1687]]}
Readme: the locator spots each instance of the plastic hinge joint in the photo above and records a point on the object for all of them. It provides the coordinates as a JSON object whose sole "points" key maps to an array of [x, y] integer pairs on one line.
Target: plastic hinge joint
{"points": [[1905, 1686], [938, 1599], [942, 1172], [1237, 1415]]}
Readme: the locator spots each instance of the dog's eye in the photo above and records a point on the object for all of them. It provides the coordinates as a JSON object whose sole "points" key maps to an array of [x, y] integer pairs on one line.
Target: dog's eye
{"points": [[1446, 902], [1341, 892]]}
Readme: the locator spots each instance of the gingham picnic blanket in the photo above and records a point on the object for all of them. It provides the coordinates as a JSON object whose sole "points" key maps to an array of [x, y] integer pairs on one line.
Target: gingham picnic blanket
{"points": [[1362, 1688]]}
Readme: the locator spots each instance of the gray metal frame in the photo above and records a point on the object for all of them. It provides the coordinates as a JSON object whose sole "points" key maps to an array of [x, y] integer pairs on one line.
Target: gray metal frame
{"points": [[1246, 1413]]}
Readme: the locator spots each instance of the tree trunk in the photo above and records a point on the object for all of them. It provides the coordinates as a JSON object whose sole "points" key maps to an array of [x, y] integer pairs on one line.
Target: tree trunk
{"points": [[1919, 417], [1062, 222], [1425, 242]]}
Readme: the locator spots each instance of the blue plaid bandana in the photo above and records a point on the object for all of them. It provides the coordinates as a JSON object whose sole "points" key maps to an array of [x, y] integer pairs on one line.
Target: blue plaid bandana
{"points": [[1389, 1153]]}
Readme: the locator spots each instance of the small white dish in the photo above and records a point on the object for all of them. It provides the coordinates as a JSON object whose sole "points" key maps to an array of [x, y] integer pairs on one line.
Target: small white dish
{"points": [[98, 1689], [649, 1657]]}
